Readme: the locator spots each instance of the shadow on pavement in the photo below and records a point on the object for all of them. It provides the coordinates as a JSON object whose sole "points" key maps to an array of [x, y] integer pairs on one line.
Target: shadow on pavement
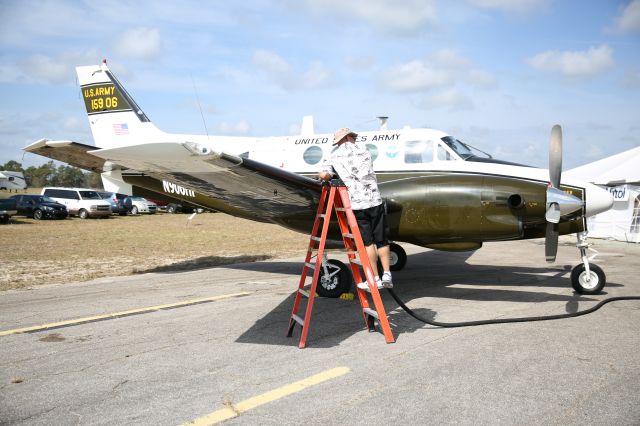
{"points": [[429, 274]]}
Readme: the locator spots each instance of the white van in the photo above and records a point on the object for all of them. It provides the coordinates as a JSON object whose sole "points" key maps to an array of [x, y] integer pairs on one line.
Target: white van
{"points": [[81, 202]]}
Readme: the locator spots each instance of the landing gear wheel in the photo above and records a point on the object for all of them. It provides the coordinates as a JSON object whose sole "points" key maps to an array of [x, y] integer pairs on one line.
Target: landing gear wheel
{"points": [[398, 257], [592, 284], [334, 279]]}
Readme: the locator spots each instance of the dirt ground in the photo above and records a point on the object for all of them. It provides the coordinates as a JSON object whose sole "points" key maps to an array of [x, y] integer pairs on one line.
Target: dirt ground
{"points": [[62, 251]]}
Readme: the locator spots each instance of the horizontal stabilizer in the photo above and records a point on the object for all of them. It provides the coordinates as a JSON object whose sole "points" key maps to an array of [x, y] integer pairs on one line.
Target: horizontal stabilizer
{"points": [[69, 152]]}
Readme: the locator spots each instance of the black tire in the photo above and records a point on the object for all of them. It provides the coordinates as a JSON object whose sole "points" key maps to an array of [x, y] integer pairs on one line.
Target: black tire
{"points": [[4, 220], [83, 214], [398, 257], [337, 281], [134, 210], [37, 214], [594, 285]]}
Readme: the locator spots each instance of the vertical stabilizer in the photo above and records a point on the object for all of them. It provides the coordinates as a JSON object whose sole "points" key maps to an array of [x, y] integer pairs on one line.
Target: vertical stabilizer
{"points": [[114, 117]]}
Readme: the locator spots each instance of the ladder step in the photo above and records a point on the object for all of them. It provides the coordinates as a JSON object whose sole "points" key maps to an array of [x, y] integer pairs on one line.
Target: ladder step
{"points": [[297, 319], [322, 215], [347, 234], [310, 265], [305, 293], [356, 261], [316, 238], [371, 312], [340, 209]]}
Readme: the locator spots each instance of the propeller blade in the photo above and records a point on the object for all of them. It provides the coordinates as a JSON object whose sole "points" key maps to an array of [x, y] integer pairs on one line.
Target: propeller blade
{"points": [[555, 156], [551, 242]]}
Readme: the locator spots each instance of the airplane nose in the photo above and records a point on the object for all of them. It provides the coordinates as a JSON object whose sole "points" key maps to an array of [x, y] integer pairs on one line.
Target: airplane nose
{"points": [[598, 200]]}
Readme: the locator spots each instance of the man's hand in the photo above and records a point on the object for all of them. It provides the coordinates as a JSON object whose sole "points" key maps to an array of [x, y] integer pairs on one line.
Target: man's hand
{"points": [[325, 175]]}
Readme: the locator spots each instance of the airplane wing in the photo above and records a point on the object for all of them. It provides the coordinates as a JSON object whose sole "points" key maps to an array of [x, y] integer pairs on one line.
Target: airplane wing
{"points": [[264, 191], [69, 152]]}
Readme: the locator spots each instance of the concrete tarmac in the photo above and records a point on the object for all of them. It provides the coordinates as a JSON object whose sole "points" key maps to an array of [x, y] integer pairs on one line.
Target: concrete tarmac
{"points": [[163, 349]]}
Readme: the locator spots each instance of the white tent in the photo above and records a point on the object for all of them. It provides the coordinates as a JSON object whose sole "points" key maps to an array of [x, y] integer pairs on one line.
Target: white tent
{"points": [[620, 174]]}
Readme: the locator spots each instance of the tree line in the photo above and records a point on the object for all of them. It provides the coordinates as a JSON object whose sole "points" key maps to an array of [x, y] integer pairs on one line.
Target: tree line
{"points": [[49, 175]]}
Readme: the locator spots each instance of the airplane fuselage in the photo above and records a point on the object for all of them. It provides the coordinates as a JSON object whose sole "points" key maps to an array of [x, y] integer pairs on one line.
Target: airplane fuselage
{"points": [[434, 197]]}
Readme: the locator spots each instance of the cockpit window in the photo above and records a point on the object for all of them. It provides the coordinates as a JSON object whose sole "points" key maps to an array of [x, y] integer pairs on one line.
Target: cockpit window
{"points": [[460, 148], [443, 154], [418, 152]]}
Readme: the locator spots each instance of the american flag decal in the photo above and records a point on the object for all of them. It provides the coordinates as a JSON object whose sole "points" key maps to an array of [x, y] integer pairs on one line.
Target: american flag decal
{"points": [[121, 129]]}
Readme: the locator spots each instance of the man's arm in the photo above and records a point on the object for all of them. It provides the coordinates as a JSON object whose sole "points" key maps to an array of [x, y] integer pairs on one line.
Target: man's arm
{"points": [[326, 170]]}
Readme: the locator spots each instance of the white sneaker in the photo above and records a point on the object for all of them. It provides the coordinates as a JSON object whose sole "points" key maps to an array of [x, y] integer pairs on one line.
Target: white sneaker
{"points": [[386, 280], [365, 285]]}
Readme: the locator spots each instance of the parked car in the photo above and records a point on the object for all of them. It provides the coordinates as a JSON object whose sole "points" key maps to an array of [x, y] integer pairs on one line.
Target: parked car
{"points": [[137, 205], [80, 201], [7, 209], [171, 208], [40, 207], [117, 202]]}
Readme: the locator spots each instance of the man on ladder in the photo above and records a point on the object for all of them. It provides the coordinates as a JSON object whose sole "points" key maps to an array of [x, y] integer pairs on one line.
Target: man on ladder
{"points": [[352, 163]]}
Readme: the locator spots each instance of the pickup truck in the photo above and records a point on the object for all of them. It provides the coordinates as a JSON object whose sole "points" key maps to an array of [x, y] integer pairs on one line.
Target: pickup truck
{"points": [[7, 209]]}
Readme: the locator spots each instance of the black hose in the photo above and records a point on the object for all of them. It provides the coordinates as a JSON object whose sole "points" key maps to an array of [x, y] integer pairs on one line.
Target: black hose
{"points": [[507, 320]]}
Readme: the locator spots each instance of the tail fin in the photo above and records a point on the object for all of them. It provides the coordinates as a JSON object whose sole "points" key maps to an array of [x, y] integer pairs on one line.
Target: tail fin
{"points": [[114, 117]]}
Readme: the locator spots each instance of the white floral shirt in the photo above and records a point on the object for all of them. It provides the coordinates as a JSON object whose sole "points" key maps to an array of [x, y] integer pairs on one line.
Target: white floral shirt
{"points": [[352, 163]]}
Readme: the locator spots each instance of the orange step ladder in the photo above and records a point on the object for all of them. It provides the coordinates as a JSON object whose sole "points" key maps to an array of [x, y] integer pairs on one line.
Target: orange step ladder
{"points": [[335, 197]]}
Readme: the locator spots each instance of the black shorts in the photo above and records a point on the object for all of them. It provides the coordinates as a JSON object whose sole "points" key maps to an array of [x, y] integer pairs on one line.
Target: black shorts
{"points": [[373, 225]]}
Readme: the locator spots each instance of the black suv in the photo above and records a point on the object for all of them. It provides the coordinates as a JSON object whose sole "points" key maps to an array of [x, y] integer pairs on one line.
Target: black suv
{"points": [[40, 207]]}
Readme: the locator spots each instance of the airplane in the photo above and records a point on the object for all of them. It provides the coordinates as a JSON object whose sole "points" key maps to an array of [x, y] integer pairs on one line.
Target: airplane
{"points": [[440, 192]]}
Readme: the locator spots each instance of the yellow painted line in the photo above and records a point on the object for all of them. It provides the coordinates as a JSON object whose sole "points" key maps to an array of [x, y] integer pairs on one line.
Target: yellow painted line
{"points": [[234, 410], [118, 314]]}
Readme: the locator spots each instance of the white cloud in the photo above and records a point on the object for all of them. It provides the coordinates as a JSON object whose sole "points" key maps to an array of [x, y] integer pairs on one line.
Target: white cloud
{"points": [[630, 18], [575, 64], [139, 43], [383, 16], [282, 73], [242, 127], [482, 79], [451, 99], [442, 68], [631, 78], [58, 69], [520, 7], [415, 76]]}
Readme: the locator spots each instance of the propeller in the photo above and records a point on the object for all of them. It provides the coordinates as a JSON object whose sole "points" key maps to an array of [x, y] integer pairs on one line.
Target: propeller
{"points": [[553, 208], [558, 202]]}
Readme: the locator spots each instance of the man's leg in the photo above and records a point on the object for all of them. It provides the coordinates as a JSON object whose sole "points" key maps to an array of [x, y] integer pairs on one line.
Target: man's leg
{"points": [[384, 255], [372, 253]]}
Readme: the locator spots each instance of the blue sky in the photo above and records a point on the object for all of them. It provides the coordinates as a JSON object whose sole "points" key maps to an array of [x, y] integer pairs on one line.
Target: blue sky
{"points": [[495, 73]]}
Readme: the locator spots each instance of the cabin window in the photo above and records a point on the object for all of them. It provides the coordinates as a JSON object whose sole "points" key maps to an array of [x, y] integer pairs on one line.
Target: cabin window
{"points": [[373, 150], [312, 155], [418, 152]]}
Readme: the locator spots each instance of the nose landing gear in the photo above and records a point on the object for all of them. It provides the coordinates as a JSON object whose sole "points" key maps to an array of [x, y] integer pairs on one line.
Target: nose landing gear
{"points": [[587, 278]]}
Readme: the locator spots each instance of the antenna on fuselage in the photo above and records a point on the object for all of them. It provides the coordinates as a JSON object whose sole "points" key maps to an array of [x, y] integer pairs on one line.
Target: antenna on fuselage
{"points": [[383, 122], [200, 107]]}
